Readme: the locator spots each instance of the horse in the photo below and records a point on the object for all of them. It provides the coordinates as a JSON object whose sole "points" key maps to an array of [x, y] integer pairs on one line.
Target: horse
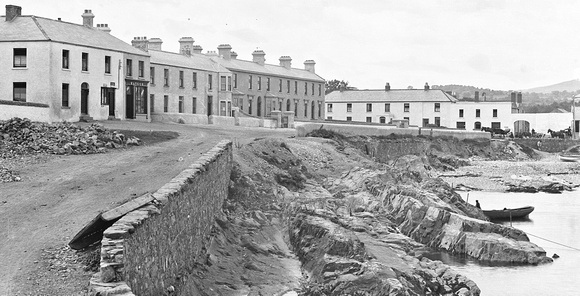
{"points": [[495, 131], [562, 134]]}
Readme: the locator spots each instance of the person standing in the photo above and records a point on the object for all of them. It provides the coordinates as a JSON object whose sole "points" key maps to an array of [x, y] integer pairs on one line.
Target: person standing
{"points": [[477, 205]]}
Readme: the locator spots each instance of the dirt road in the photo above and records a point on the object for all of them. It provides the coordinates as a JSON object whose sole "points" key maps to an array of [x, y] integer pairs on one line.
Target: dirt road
{"points": [[57, 197]]}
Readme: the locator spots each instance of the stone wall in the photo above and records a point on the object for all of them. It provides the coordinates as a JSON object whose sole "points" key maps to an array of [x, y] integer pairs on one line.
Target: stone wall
{"points": [[148, 251], [384, 130], [32, 111], [548, 144]]}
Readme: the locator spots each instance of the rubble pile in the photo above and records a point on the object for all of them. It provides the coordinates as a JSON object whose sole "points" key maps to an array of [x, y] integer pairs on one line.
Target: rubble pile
{"points": [[20, 137]]}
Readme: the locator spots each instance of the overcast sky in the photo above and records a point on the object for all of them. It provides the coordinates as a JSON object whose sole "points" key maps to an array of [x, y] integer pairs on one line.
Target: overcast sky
{"points": [[507, 45]]}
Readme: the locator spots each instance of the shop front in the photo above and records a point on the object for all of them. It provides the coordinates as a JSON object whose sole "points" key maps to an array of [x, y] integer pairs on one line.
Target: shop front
{"points": [[136, 100]]}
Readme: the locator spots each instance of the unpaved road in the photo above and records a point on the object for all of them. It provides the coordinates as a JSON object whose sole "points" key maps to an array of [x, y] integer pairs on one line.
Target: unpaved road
{"points": [[57, 197]]}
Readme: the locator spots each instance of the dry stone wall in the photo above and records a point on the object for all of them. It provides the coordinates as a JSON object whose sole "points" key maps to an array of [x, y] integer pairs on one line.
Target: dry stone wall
{"points": [[148, 251]]}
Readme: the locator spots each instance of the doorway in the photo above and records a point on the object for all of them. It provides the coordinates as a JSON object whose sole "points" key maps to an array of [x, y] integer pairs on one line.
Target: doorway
{"points": [[209, 105], [84, 98]]}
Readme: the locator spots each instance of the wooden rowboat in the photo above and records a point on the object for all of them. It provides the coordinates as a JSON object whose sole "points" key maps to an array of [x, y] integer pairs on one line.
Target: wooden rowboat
{"points": [[570, 157], [507, 214]]}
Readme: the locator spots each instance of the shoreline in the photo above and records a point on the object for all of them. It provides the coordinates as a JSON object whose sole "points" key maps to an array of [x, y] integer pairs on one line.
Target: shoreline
{"points": [[501, 175]]}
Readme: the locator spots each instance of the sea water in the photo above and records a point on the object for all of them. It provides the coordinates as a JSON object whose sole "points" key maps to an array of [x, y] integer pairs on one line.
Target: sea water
{"points": [[556, 218]]}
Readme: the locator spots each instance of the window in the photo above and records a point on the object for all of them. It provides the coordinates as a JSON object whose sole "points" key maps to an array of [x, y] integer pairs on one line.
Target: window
{"points": [[477, 125], [165, 103], [407, 119], [329, 118], [223, 83], [140, 100], [305, 88], [296, 108], [166, 77], [85, 61], [425, 122], [229, 83], [369, 119], [349, 107], [312, 88], [152, 75], [496, 125], [151, 103], [369, 107], [259, 82], [19, 91], [107, 64], [280, 85], [461, 124], [382, 119], [461, 113], [235, 80], [20, 58], [406, 107], [210, 81], [65, 94], [129, 67], [437, 107], [250, 104], [348, 118], [437, 121], [241, 102], [107, 94], [180, 104], [477, 112], [296, 87], [181, 79], [65, 58], [250, 82], [194, 105], [494, 113], [141, 69], [387, 107], [268, 84], [320, 90], [288, 105], [194, 79], [305, 109], [288, 86], [329, 108]]}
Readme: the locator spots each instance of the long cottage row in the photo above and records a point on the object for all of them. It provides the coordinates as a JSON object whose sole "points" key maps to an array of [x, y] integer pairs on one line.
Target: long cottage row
{"points": [[59, 71]]}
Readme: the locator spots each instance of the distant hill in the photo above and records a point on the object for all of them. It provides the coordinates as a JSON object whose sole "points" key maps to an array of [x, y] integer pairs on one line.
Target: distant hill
{"points": [[468, 91], [569, 86]]}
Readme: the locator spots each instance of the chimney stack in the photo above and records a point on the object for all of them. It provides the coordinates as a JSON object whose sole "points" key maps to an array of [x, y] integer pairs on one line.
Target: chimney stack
{"points": [[88, 17], [155, 44], [186, 45], [104, 27], [197, 49], [225, 51], [12, 11], [309, 66], [234, 55], [387, 87], [259, 57], [141, 43], [426, 86], [286, 62]]}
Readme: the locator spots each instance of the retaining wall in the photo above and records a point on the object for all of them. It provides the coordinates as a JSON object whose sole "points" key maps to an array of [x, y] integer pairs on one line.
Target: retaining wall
{"points": [[150, 250], [176, 117], [214, 119], [34, 112], [370, 130], [548, 144]]}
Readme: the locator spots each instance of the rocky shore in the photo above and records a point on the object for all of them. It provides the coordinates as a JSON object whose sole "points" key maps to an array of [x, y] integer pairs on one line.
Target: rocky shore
{"points": [[339, 222]]}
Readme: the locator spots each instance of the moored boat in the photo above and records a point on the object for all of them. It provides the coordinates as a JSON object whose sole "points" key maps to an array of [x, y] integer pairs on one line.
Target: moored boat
{"points": [[569, 157], [507, 214]]}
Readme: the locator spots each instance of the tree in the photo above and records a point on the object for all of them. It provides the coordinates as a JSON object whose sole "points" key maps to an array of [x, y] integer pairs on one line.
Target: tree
{"points": [[335, 84]]}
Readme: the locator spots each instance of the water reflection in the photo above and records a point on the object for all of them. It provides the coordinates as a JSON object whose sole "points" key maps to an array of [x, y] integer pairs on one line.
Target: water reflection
{"points": [[555, 218]]}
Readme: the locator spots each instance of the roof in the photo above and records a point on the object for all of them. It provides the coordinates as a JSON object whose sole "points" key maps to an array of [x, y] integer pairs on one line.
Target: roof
{"points": [[267, 69], [393, 95], [34, 28], [195, 61]]}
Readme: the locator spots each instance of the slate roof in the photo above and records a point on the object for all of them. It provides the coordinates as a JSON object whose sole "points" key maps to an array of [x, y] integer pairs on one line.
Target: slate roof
{"points": [[267, 69], [34, 28], [393, 95], [195, 61]]}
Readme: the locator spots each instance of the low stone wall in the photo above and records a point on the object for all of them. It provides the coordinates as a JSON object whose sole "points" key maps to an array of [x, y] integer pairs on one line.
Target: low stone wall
{"points": [[148, 251], [373, 130], [32, 111], [180, 118], [222, 120], [214, 119], [548, 144]]}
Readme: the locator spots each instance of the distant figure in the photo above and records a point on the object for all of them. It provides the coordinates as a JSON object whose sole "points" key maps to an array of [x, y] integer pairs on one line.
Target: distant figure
{"points": [[477, 205], [539, 144]]}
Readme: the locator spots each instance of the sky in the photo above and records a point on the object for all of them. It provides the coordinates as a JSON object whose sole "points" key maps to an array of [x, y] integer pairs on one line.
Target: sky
{"points": [[497, 44]]}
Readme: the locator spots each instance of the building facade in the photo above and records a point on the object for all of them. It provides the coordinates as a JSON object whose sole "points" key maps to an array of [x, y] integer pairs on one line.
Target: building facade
{"points": [[58, 71]]}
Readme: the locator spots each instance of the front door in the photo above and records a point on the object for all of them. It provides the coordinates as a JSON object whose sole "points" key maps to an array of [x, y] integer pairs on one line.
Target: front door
{"points": [[130, 103], [209, 105], [84, 99], [111, 95]]}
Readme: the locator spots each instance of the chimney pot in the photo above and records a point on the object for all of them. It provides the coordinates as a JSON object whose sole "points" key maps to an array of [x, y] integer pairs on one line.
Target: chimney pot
{"points": [[88, 17], [234, 55], [259, 57], [309, 66], [225, 51], [197, 49], [286, 62], [12, 11], [140, 43], [185, 45], [387, 87], [426, 86]]}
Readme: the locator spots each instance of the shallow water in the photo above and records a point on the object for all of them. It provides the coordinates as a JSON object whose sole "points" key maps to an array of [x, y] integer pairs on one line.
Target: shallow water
{"points": [[556, 217]]}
